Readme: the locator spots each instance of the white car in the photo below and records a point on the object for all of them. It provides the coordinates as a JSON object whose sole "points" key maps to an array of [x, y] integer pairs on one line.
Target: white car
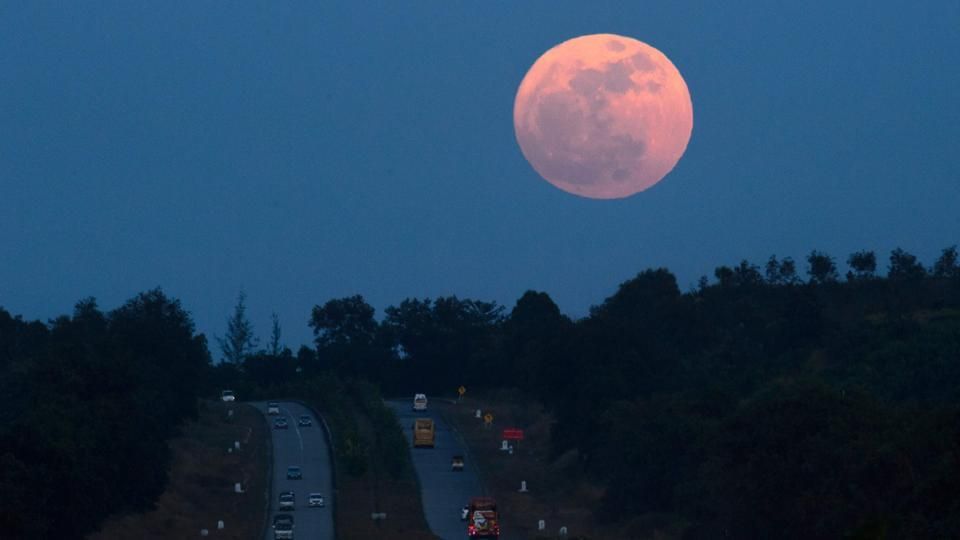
{"points": [[420, 402], [315, 500], [288, 501], [227, 395], [273, 407]]}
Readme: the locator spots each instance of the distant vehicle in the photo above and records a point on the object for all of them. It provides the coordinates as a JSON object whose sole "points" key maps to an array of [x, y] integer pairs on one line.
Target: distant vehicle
{"points": [[273, 407], [283, 526], [305, 420], [227, 395], [280, 423], [288, 501], [315, 500], [423, 433], [482, 520], [420, 402], [456, 463], [294, 473]]}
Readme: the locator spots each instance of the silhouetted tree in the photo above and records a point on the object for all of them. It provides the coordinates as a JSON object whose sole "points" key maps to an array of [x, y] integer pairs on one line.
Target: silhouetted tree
{"points": [[905, 267], [348, 338], [746, 274], [781, 272], [863, 265], [343, 321], [239, 340], [822, 269], [446, 342], [947, 266], [533, 333], [275, 332], [724, 275]]}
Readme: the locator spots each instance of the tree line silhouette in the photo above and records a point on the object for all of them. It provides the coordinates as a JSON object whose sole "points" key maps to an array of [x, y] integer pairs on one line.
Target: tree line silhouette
{"points": [[88, 403]]}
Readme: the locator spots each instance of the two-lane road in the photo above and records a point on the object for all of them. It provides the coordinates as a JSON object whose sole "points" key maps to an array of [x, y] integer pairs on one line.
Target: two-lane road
{"points": [[306, 447], [443, 491]]}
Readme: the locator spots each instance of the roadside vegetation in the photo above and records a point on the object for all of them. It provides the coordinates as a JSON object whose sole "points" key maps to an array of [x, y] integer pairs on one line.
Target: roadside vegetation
{"points": [[89, 402], [202, 476]]}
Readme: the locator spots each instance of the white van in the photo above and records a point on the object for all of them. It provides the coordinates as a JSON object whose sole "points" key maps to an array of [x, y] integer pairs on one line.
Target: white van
{"points": [[420, 402]]}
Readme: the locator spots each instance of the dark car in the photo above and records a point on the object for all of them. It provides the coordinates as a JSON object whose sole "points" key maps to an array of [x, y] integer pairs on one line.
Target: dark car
{"points": [[283, 518], [280, 423], [305, 420], [294, 473], [288, 501], [283, 526]]}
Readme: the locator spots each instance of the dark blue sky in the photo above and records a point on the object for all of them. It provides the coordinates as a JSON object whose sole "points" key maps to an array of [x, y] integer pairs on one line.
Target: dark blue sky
{"points": [[305, 152]]}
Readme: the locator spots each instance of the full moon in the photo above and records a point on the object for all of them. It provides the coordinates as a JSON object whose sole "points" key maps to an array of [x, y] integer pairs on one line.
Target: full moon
{"points": [[603, 116]]}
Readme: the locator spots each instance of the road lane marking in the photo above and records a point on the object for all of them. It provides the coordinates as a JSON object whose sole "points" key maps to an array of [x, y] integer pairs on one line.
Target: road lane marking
{"points": [[296, 427]]}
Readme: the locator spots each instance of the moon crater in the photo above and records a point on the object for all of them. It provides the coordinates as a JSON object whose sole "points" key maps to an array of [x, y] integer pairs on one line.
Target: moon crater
{"points": [[603, 116]]}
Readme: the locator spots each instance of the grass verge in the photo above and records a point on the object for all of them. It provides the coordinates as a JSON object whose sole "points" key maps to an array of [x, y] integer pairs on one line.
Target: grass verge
{"points": [[201, 487]]}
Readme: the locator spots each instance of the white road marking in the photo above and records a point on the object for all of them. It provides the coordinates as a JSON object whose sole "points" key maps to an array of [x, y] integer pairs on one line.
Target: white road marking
{"points": [[296, 427]]}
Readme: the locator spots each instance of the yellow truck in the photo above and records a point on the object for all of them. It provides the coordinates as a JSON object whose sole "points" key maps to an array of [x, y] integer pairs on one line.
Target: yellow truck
{"points": [[424, 433]]}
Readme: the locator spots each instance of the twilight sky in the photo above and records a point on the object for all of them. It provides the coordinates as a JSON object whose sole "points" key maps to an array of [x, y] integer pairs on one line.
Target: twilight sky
{"points": [[303, 151]]}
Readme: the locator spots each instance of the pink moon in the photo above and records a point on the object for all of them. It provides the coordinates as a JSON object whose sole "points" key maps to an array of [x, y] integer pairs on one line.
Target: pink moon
{"points": [[603, 116]]}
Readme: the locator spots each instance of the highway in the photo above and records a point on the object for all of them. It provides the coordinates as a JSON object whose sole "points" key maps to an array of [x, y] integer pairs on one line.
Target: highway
{"points": [[304, 446], [443, 491]]}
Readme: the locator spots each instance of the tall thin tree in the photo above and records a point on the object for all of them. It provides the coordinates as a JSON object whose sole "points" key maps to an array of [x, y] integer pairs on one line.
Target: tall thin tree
{"points": [[240, 340], [275, 348]]}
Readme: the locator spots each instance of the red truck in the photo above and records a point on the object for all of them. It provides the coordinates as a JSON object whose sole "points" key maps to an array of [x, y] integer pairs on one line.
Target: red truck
{"points": [[482, 521]]}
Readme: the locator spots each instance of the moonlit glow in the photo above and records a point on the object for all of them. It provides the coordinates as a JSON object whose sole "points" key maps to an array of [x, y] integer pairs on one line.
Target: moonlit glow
{"points": [[603, 116]]}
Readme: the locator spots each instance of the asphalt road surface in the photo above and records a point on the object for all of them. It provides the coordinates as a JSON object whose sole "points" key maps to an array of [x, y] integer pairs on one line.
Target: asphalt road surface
{"points": [[443, 491], [304, 446]]}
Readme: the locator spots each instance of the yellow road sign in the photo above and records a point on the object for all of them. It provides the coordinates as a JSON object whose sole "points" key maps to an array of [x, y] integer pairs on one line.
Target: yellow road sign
{"points": [[461, 391], [488, 419]]}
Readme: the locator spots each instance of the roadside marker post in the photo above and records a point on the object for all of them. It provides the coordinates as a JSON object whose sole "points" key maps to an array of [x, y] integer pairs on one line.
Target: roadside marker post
{"points": [[460, 392]]}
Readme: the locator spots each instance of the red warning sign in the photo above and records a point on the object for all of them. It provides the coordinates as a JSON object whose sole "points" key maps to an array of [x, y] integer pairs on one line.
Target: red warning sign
{"points": [[513, 434]]}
